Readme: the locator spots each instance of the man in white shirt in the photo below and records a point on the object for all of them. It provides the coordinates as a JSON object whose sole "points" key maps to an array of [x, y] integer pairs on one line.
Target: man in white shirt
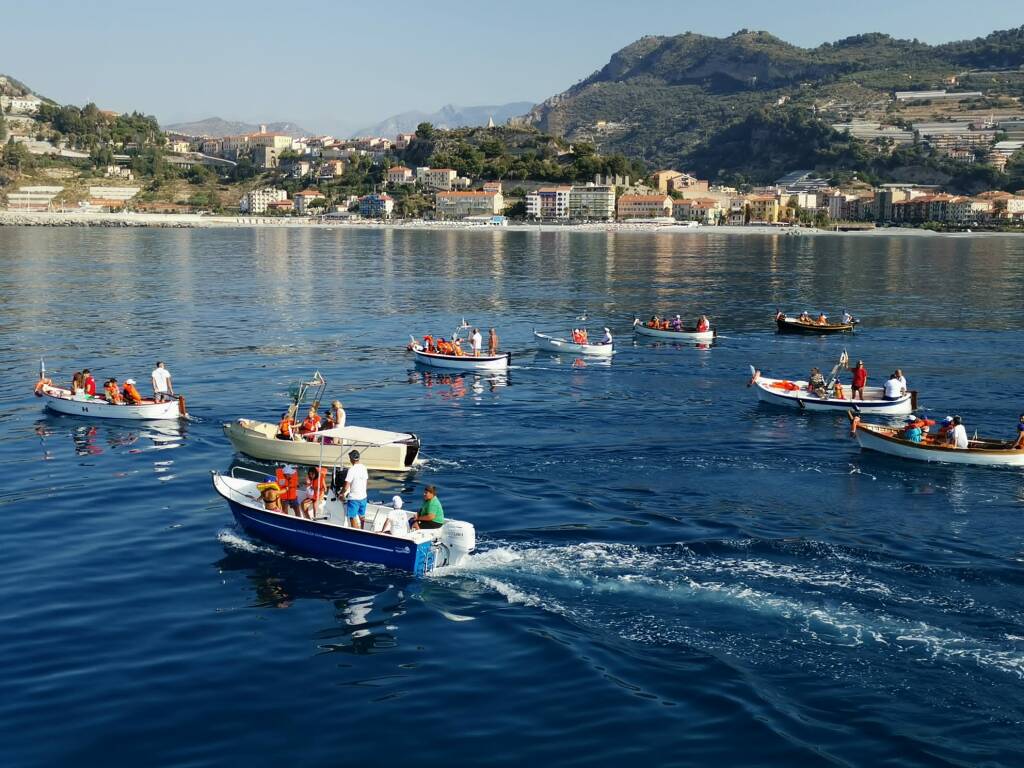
{"points": [[162, 387], [958, 435], [901, 378], [894, 390], [355, 491], [476, 340]]}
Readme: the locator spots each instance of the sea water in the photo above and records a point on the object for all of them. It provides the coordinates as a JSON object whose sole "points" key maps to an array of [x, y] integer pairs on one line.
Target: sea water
{"points": [[668, 573]]}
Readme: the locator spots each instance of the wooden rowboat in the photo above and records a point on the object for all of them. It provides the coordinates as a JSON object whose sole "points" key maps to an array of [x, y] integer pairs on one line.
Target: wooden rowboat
{"points": [[554, 344], [980, 452], [461, 362], [94, 406], [791, 393], [686, 334], [794, 325]]}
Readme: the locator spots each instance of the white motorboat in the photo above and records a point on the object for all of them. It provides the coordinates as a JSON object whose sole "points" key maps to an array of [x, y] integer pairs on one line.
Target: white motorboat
{"points": [[686, 334], [791, 393], [417, 551], [378, 449], [554, 344], [61, 400], [979, 452]]}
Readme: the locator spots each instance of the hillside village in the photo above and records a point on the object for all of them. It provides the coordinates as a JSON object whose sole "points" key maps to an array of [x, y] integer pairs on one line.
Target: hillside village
{"points": [[948, 153]]}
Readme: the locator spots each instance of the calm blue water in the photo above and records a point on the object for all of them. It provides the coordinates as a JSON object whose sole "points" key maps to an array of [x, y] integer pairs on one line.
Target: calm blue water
{"points": [[669, 573]]}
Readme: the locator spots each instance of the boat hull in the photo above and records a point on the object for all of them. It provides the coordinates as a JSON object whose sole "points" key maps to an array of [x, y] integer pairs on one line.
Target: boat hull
{"points": [[792, 325], [463, 362], [878, 439], [60, 401], [378, 449], [562, 346], [801, 399], [657, 333]]}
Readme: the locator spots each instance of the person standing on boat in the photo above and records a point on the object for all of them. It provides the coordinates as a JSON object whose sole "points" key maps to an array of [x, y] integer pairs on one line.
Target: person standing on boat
{"points": [[88, 383], [476, 341], [860, 380], [336, 416], [355, 491], [958, 435], [163, 390], [431, 514], [288, 480], [607, 338], [492, 343], [703, 324]]}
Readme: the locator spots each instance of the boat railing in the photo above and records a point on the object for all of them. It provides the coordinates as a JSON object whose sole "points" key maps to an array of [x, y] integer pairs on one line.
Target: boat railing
{"points": [[253, 473]]}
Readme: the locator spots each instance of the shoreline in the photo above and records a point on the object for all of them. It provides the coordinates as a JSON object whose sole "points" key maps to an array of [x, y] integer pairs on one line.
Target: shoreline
{"points": [[195, 221]]}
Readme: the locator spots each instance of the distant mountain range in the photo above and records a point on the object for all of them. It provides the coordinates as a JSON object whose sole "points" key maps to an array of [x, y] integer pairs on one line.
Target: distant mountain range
{"points": [[217, 127], [665, 99], [448, 116]]}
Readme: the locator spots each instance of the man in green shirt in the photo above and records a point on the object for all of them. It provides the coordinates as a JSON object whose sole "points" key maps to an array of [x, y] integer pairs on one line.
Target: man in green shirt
{"points": [[431, 514]]}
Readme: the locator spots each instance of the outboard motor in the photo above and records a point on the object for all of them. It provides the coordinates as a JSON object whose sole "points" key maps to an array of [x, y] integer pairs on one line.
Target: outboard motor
{"points": [[458, 539]]}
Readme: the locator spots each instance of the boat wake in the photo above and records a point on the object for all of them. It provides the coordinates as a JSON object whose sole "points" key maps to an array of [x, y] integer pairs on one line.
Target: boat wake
{"points": [[763, 604]]}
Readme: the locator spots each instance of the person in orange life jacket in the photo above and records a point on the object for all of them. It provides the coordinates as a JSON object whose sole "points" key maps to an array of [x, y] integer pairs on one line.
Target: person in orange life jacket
{"points": [[288, 479], [113, 393], [316, 489], [310, 424], [88, 383], [131, 394], [915, 423], [946, 427], [286, 426]]}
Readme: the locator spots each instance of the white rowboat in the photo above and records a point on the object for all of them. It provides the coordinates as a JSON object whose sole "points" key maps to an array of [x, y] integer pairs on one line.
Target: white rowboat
{"points": [[61, 401], [555, 344], [462, 362], [687, 334], [378, 448], [790, 393], [982, 453]]}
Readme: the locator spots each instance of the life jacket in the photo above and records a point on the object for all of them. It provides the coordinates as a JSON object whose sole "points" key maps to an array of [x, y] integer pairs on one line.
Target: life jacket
{"points": [[311, 424], [457, 349], [289, 484], [428, 343], [284, 429], [583, 337], [131, 394], [317, 488], [702, 325], [839, 391]]}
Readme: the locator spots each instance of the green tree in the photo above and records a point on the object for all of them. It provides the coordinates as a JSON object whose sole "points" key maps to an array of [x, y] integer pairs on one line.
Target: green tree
{"points": [[425, 131], [3, 127], [16, 155]]}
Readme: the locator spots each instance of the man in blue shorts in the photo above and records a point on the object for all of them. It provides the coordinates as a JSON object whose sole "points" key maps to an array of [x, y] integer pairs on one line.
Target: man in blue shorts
{"points": [[355, 491]]}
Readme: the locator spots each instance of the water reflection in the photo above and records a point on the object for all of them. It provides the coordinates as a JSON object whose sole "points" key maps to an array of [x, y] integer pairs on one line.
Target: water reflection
{"points": [[457, 385], [93, 438]]}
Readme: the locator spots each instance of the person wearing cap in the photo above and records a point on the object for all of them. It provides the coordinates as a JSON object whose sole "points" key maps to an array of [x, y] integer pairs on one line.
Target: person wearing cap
{"points": [[860, 380], [270, 494], [131, 394], [396, 523], [912, 431], [1018, 444], [607, 338], [677, 323], [431, 514], [944, 429], [958, 435], [288, 480], [355, 491]]}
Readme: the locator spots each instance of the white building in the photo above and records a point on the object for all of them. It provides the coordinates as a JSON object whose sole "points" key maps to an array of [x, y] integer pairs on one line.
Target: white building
{"points": [[257, 201], [20, 105], [548, 203], [304, 198], [439, 179], [593, 201]]}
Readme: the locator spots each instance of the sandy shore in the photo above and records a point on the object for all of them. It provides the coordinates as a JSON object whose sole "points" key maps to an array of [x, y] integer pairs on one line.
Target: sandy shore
{"points": [[79, 219]]}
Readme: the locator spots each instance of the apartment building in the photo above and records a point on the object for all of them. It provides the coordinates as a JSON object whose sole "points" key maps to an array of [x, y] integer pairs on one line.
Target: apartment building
{"points": [[548, 203], [458, 205], [399, 174], [376, 206], [256, 201], [592, 202], [644, 206], [304, 198]]}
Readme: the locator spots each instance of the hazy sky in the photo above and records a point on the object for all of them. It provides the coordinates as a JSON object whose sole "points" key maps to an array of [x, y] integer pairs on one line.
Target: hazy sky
{"points": [[334, 65]]}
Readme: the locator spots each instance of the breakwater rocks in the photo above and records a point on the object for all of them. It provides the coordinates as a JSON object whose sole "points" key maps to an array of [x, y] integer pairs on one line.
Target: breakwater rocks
{"points": [[18, 219]]}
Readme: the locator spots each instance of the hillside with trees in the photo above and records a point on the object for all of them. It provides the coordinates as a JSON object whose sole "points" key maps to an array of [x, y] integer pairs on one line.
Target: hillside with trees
{"points": [[719, 104]]}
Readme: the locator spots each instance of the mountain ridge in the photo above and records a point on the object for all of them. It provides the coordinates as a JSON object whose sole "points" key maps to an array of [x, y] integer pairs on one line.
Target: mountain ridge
{"points": [[448, 116], [218, 127]]}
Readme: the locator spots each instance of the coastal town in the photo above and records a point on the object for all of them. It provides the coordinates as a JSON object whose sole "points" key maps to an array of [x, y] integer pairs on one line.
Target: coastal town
{"points": [[294, 179]]}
